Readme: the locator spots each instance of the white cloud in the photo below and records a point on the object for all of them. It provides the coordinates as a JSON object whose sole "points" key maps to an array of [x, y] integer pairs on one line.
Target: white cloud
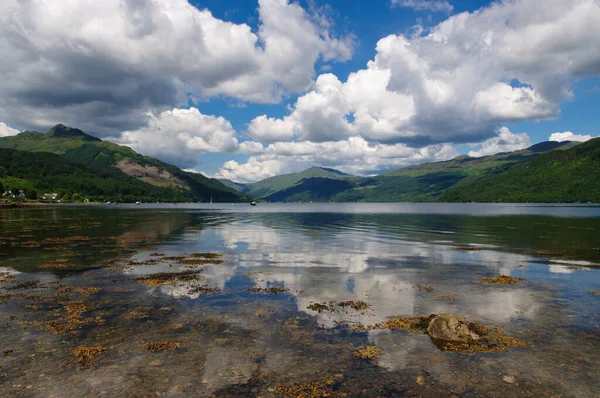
{"points": [[101, 65], [180, 135], [504, 63], [420, 5], [569, 136], [504, 142], [7, 131], [265, 129], [354, 156], [127, 65]]}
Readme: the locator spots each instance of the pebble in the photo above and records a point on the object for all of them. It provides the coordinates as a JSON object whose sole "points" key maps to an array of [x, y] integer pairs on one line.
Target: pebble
{"points": [[509, 379]]}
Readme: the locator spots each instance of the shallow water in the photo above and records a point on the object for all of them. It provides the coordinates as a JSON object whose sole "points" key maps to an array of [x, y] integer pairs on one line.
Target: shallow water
{"points": [[236, 342]]}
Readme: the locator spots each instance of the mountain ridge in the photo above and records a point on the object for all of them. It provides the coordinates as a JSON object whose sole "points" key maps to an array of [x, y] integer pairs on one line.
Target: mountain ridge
{"points": [[570, 175], [79, 147], [418, 183]]}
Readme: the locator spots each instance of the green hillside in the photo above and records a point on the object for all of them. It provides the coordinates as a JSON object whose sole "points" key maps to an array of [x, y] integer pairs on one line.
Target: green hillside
{"points": [[76, 146], [468, 166], [572, 175], [420, 183], [238, 186], [270, 186], [49, 173]]}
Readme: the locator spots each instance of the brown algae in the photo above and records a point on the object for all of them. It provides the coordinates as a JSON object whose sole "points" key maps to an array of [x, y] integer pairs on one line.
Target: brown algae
{"points": [[323, 387], [356, 305], [467, 249], [370, 352], [171, 278], [427, 289], [159, 346], [87, 357], [319, 307], [489, 339], [502, 280], [270, 290]]}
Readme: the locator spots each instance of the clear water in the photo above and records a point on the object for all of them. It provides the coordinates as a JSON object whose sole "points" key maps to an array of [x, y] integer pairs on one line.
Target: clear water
{"points": [[235, 342]]}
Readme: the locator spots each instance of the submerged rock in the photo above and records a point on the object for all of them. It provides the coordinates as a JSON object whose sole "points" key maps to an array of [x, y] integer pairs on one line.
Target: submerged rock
{"points": [[451, 328]]}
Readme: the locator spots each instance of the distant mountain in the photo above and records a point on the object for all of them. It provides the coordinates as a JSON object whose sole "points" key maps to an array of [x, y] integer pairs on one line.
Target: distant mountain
{"points": [[270, 186], [78, 147], [468, 166], [231, 184], [419, 183], [571, 175]]}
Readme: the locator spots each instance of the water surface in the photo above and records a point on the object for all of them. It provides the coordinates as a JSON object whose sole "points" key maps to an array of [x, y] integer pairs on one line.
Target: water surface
{"points": [[82, 276]]}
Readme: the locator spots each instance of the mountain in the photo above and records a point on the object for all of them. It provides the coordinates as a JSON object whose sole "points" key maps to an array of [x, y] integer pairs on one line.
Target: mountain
{"points": [[78, 147], [465, 166], [238, 186], [420, 183], [263, 189], [570, 175]]}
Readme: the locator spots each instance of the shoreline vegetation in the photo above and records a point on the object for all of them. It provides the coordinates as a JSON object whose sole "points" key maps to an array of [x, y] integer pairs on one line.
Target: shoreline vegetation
{"points": [[30, 204], [72, 166]]}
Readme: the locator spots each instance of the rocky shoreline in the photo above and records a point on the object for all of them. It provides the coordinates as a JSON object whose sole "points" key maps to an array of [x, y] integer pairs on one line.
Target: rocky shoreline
{"points": [[12, 205]]}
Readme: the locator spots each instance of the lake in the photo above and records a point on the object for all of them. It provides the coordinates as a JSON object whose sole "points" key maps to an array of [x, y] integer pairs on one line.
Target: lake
{"points": [[298, 300]]}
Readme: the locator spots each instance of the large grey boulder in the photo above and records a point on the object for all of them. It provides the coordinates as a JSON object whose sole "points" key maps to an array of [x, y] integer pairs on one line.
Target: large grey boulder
{"points": [[451, 328]]}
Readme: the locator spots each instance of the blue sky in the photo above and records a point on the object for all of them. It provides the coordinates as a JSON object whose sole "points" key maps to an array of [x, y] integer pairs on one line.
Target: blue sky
{"points": [[249, 89], [370, 21]]}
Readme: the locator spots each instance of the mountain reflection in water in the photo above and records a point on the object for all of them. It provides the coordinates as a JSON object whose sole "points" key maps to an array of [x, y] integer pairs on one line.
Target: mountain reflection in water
{"points": [[230, 337]]}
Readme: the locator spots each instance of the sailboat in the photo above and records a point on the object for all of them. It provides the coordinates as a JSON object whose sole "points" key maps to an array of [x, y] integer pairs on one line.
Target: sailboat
{"points": [[211, 200]]}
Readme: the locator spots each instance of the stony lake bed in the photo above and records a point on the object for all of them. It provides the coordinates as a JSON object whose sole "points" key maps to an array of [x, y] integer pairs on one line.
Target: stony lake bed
{"points": [[300, 300]]}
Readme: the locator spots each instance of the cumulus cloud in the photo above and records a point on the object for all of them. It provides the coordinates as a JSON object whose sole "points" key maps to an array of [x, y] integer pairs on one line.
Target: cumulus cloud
{"points": [[180, 135], [7, 131], [101, 65], [569, 136], [127, 65], [421, 5], [473, 72], [504, 142], [353, 156]]}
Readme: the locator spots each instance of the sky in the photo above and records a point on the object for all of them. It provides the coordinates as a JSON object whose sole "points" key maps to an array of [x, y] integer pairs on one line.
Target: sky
{"points": [[246, 89]]}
